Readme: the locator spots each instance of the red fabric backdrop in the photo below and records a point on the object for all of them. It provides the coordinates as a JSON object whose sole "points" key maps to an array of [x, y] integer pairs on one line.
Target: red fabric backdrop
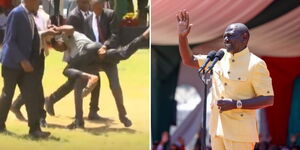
{"points": [[5, 3], [283, 72]]}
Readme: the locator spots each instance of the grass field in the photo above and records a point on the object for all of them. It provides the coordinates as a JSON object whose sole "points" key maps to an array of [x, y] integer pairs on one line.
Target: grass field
{"points": [[134, 78]]}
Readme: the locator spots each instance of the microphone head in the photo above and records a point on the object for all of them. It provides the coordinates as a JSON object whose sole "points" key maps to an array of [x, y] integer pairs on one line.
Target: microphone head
{"points": [[211, 55], [220, 54]]}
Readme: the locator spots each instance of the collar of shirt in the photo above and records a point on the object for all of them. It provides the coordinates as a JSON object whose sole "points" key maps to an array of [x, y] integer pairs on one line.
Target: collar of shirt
{"points": [[239, 54], [84, 13], [233, 58]]}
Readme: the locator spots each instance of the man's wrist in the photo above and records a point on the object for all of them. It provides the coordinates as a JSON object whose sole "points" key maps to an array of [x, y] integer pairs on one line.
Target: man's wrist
{"points": [[104, 46], [182, 36]]}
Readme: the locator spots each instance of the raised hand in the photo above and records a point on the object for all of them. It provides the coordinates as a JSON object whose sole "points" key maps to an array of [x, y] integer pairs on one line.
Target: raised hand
{"points": [[183, 25]]}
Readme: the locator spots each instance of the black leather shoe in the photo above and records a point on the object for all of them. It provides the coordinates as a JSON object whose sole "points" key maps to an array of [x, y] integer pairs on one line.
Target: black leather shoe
{"points": [[49, 107], [76, 124], [43, 123], [96, 117], [39, 134], [17, 113], [127, 122]]}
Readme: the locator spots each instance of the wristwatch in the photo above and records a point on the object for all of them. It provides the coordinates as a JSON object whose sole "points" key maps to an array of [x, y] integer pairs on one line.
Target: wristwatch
{"points": [[239, 104]]}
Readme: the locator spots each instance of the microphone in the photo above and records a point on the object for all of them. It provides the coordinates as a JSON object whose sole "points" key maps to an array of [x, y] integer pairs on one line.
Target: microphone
{"points": [[210, 57], [218, 57]]}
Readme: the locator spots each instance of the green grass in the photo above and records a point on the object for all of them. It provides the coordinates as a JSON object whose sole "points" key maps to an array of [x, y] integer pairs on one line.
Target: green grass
{"points": [[135, 80]]}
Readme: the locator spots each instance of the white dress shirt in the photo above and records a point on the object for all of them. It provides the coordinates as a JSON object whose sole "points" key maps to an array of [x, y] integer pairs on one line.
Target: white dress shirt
{"points": [[42, 20], [95, 27]]}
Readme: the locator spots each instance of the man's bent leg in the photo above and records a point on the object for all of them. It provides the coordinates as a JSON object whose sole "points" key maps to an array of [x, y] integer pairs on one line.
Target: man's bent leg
{"points": [[123, 53], [61, 92], [16, 107]]}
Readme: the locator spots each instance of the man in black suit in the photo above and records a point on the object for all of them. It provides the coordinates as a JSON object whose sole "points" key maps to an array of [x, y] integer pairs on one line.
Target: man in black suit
{"points": [[78, 14], [102, 27]]}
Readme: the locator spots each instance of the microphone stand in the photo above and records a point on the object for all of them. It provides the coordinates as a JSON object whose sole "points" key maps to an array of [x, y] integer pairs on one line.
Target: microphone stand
{"points": [[205, 78]]}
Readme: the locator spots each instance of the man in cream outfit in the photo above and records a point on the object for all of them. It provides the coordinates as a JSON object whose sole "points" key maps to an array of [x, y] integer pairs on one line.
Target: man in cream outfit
{"points": [[241, 84]]}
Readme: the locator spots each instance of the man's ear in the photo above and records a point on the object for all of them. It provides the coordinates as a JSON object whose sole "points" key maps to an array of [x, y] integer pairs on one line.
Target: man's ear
{"points": [[245, 37]]}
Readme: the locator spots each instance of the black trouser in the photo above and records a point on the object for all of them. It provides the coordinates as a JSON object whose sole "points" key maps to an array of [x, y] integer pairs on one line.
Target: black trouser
{"points": [[30, 89], [88, 61], [68, 86], [20, 101], [1, 36], [142, 4]]}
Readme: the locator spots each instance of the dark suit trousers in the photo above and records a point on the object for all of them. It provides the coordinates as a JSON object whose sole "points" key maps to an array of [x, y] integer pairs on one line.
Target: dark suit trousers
{"points": [[68, 86], [29, 87], [40, 73]]}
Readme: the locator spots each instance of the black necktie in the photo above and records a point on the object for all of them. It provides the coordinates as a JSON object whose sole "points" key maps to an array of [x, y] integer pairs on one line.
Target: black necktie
{"points": [[100, 34], [36, 42]]}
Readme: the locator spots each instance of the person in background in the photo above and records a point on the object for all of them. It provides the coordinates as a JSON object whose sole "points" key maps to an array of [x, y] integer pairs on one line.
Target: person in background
{"points": [[3, 20], [102, 27], [78, 14]]}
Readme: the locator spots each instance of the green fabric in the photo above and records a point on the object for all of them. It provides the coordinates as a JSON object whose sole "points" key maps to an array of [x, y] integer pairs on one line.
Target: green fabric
{"points": [[121, 7], [165, 62], [294, 122]]}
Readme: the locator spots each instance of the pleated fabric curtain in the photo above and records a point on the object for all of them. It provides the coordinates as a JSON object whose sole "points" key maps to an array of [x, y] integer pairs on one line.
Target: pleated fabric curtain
{"points": [[209, 18], [5, 3], [277, 38]]}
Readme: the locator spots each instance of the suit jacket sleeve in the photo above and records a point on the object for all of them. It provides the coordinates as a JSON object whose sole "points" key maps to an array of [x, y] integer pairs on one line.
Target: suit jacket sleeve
{"points": [[11, 36], [113, 39], [75, 22]]}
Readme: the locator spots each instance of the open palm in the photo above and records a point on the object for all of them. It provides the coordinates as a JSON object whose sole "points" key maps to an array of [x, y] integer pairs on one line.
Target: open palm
{"points": [[183, 20]]}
